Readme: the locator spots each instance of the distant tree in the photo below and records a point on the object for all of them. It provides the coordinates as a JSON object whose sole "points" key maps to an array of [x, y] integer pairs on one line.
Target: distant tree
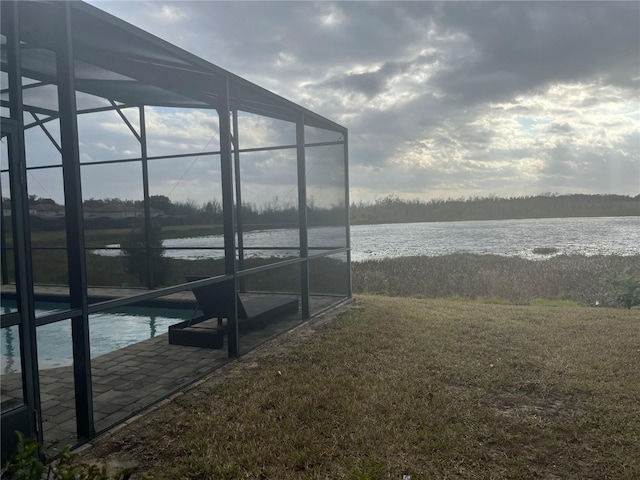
{"points": [[188, 207], [93, 203], [212, 212], [115, 203], [135, 256], [160, 202], [627, 288], [35, 200]]}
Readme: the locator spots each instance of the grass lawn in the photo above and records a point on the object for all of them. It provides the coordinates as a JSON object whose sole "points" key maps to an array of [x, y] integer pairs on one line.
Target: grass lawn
{"points": [[433, 389]]}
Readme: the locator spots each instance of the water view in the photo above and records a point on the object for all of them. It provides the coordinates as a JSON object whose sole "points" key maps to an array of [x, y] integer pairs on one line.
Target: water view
{"points": [[582, 236], [571, 236]]}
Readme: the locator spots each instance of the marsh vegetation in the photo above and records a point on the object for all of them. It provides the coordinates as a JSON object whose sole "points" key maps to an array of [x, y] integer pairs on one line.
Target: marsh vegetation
{"points": [[583, 280]]}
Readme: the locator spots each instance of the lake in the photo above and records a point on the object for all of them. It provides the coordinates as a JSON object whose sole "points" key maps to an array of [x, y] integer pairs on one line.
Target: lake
{"points": [[583, 236]]}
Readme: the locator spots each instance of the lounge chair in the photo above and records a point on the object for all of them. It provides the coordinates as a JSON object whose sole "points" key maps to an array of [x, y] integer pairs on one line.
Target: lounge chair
{"points": [[216, 302]]}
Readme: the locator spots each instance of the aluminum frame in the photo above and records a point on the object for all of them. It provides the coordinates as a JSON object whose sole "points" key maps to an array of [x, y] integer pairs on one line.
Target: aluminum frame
{"points": [[78, 48]]}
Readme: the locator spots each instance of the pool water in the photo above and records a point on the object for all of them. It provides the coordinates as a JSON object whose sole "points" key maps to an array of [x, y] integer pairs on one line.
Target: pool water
{"points": [[108, 331]]}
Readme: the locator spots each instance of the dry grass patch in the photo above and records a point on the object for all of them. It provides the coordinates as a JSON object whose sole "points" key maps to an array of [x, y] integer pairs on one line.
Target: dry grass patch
{"points": [[428, 388], [586, 280]]}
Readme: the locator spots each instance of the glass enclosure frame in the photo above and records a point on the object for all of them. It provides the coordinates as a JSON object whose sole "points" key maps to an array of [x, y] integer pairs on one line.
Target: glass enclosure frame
{"points": [[83, 52]]}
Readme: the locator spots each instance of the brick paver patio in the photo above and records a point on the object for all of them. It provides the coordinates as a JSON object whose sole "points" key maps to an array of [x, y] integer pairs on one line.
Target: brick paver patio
{"points": [[128, 380]]}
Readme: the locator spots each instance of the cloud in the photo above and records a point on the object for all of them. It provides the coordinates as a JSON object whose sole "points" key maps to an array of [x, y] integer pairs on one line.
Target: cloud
{"points": [[372, 83], [440, 98], [521, 46], [169, 13]]}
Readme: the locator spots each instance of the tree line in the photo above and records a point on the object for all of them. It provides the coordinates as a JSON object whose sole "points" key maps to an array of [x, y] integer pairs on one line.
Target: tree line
{"points": [[393, 209], [167, 212], [390, 209]]}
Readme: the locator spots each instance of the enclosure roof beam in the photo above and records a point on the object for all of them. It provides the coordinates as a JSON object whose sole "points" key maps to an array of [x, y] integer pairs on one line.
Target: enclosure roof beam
{"points": [[116, 60], [33, 109]]}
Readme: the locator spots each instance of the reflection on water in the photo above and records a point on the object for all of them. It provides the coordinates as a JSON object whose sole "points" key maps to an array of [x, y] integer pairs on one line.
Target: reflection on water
{"points": [[258, 244], [571, 236], [584, 236]]}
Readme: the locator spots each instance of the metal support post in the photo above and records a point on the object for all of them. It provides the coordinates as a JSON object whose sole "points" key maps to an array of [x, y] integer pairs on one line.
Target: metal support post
{"points": [[74, 223], [20, 223], [226, 172], [239, 213], [145, 193], [302, 216], [3, 242], [347, 207]]}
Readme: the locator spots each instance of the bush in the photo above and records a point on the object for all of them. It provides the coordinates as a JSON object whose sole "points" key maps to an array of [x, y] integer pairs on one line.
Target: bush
{"points": [[25, 465], [627, 289], [137, 257]]}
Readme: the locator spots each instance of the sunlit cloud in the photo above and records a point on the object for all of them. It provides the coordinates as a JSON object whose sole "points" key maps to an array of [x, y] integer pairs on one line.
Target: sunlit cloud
{"points": [[168, 13], [330, 15]]}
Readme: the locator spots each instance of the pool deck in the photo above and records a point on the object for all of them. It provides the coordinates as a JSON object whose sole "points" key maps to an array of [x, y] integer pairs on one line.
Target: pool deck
{"points": [[128, 380], [96, 294], [123, 382]]}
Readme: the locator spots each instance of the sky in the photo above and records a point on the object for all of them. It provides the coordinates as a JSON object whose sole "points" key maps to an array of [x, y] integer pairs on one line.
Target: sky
{"points": [[452, 99]]}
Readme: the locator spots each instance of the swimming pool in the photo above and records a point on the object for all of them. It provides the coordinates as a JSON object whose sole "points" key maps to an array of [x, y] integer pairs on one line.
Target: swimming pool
{"points": [[108, 331]]}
